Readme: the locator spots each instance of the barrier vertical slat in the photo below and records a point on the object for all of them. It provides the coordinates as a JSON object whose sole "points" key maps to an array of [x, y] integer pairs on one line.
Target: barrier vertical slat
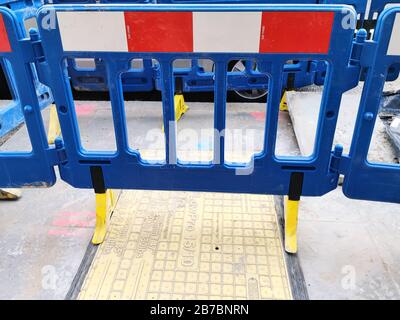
{"points": [[368, 103], [330, 102], [117, 104], [272, 114], [168, 111], [195, 64], [30, 107], [248, 65], [220, 111]]}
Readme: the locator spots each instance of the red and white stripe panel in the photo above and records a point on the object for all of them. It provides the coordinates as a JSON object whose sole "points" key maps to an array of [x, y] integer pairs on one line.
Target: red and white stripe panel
{"points": [[4, 42], [246, 32], [394, 44]]}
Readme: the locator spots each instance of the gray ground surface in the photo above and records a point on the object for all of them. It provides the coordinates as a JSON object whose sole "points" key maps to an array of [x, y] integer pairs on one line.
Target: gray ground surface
{"points": [[43, 235], [347, 248], [43, 238]]}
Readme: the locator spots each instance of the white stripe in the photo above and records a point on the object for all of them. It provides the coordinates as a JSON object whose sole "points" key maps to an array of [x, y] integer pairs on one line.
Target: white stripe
{"points": [[226, 31], [367, 9], [92, 31], [394, 44]]}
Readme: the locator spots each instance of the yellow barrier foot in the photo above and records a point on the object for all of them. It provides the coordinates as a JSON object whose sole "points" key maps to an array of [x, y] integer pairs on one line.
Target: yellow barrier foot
{"points": [[54, 126], [291, 218], [283, 105], [10, 194], [180, 106], [105, 203], [292, 211]]}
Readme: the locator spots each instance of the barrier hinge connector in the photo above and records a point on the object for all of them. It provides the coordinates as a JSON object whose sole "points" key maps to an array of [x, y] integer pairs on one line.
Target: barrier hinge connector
{"points": [[363, 51], [58, 154], [42, 68], [339, 162]]}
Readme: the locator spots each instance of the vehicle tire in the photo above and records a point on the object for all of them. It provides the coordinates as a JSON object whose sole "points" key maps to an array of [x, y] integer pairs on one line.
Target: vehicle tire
{"points": [[255, 95]]}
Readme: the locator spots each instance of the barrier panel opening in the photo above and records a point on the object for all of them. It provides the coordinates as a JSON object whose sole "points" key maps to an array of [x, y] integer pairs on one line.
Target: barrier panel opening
{"points": [[182, 65], [94, 120], [304, 110], [84, 64], [197, 75], [195, 125], [15, 137], [245, 121], [255, 94], [87, 74], [6, 94], [347, 117], [206, 65], [144, 121], [137, 65], [140, 77], [29, 24], [385, 142]]}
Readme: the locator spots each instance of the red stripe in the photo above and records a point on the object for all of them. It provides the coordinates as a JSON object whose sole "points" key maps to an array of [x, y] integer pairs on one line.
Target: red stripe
{"points": [[296, 32], [4, 43], [159, 31]]}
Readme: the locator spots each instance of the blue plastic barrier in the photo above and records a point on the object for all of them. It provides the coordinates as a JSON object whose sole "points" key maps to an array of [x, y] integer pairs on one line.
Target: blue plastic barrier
{"points": [[125, 168], [368, 13], [267, 173], [35, 168], [11, 115], [363, 179], [375, 9]]}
